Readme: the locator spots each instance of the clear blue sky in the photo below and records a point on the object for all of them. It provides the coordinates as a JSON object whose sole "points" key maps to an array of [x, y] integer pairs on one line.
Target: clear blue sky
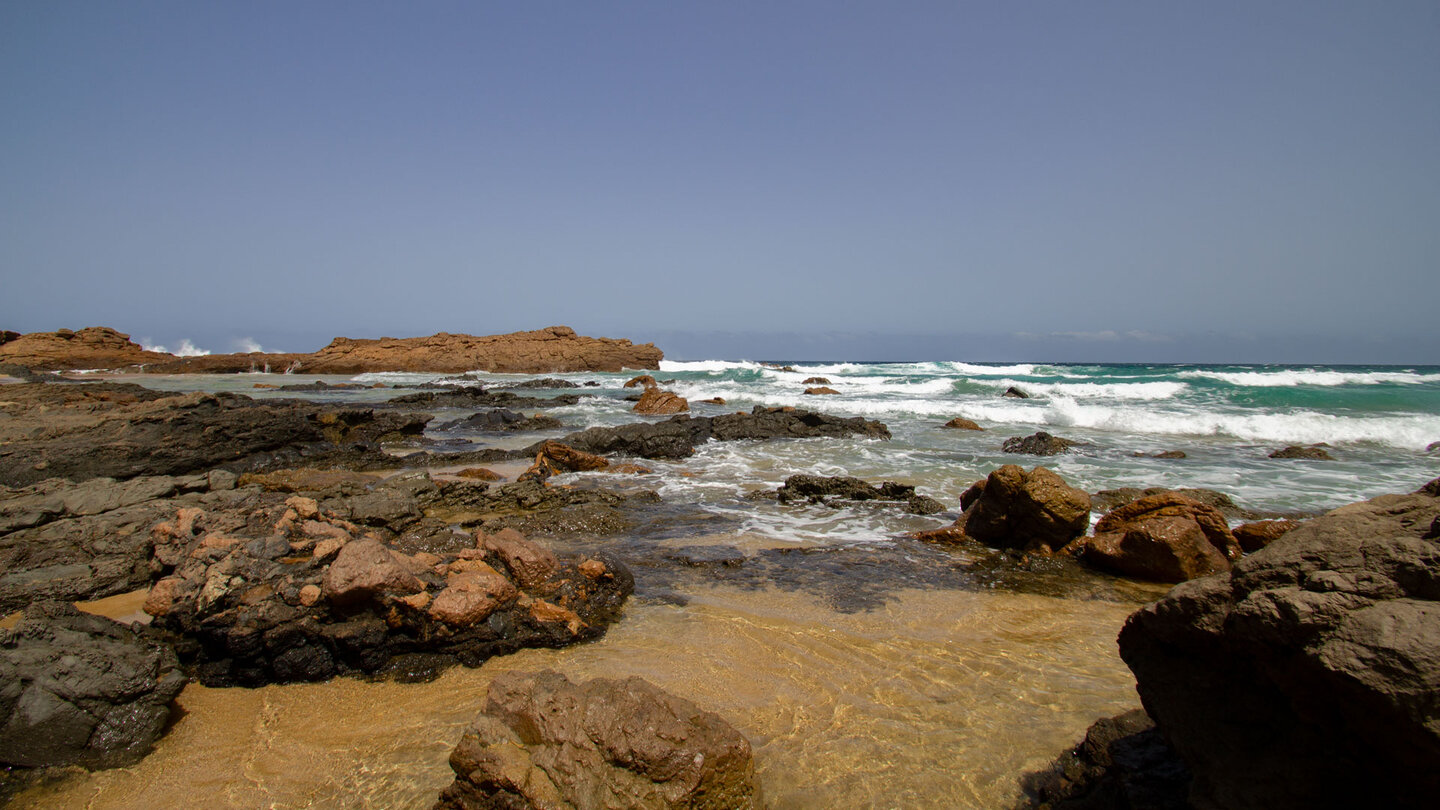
{"points": [[1039, 180]]}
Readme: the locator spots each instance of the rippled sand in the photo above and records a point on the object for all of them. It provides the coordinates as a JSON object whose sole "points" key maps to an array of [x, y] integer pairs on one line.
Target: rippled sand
{"points": [[939, 698]]}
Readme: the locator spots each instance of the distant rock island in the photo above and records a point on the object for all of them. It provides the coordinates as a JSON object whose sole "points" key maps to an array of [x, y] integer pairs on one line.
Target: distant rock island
{"points": [[554, 349]]}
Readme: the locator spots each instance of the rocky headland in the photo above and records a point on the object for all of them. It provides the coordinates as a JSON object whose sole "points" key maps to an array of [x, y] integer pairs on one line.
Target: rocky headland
{"points": [[555, 349]]}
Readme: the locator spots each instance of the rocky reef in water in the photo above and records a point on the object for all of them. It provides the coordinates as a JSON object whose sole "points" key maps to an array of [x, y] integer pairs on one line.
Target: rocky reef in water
{"points": [[555, 349]]}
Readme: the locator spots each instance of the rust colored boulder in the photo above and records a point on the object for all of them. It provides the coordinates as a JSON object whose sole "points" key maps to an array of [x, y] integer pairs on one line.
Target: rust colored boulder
{"points": [[961, 423], [816, 381], [1028, 511], [1165, 537], [530, 564], [657, 402], [822, 390], [1261, 533], [642, 381], [1307, 675], [543, 741]]}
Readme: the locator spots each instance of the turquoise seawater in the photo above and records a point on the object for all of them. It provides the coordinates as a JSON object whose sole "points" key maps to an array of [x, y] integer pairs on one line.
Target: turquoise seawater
{"points": [[1377, 422]]}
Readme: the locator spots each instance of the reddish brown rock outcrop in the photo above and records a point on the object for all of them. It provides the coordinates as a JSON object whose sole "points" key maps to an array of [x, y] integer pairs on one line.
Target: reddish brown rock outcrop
{"points": [[551, 350], [1030, 511], [1165, 537], [657, 402], [543, 741], [1261, 533], [961, 423], [820, 391], [94, 347]]}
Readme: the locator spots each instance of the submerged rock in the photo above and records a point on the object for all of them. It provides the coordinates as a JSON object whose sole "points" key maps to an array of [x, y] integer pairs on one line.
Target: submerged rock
{"points": [[1306, 676], [820, 391], [77, 689], [1015, 393], [543, 741], [1038, 444], [1313, 452], [961, 423]]}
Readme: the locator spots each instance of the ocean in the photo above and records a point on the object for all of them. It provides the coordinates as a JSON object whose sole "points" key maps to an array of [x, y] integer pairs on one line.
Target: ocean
{"points": [[866, 669]]}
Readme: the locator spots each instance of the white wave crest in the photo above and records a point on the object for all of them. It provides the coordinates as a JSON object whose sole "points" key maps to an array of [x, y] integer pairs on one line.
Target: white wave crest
{"points": [[187, 349], [1293, 377], [978, 370], [1146, 391], [677, 366], [247, 345]]}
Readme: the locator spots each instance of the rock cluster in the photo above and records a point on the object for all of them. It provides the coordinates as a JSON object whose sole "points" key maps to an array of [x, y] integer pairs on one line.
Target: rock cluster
{"points": [[77, 689], [1306, 676], [543, 741], [286, 591]]}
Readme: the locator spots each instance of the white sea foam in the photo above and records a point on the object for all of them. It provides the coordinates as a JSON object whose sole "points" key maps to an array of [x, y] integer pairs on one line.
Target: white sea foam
{"points": [[678, 366], [247, 345], [1293, 377], [1147, 391], [187, 349], [978, 370]]}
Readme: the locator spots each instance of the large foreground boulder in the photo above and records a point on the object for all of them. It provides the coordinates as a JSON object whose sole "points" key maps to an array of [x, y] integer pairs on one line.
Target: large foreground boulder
{"points": [[1028, 511], [543, 741], [1309, 675], [77, 689]]}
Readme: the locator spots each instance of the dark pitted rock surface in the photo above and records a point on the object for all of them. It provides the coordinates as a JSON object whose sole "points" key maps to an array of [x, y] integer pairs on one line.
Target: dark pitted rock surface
{"points": [[502, 420], [1312, 452], [1307, 676], [1122, 764], [475, 397], [1165, 537], [1028, 511], [1038, 444], [88, 430], [543, 741], [547, 383], [678, 436], [77, 689], [71, 542], [291, 591], [821, 489]]}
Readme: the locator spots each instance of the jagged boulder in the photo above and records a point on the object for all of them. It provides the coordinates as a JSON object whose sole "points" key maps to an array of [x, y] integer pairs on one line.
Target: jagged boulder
{"points": [[1165, 537], [1307, 675], [77, 689], [543, 741], [657, 402], [1030, 511]]}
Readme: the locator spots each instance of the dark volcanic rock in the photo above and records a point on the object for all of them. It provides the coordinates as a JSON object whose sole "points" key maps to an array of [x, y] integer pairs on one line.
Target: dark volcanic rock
{"points": [[1313, 452], [1307, 676], [1122, 764], [818, 489], [1015, 393], [474, 397], [678, 436], [550, 383], [543, 741], [1031, 511], [81, 431], [77, 689], [1039, 444], [502, 420]]}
